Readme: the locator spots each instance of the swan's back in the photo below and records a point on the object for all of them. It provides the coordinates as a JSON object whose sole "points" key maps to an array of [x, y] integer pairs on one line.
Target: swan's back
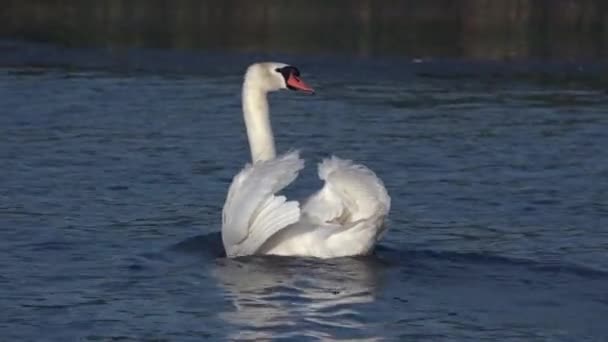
{"points": [[344, 218]]}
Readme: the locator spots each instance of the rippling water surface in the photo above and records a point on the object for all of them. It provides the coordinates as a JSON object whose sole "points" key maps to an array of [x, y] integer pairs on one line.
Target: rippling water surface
{"points": [[113, 180]]}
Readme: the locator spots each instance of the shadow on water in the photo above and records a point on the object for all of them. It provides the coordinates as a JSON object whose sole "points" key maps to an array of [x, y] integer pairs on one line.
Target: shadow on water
{"points": [[209, 246]]}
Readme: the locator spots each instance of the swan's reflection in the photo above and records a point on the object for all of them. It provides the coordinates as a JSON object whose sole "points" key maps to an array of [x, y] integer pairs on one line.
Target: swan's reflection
{"points": [[278, 297]]}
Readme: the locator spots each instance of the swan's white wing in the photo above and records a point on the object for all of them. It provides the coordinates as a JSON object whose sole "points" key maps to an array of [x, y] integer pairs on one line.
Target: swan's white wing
{"points": [[351, 193], [252, 212]]}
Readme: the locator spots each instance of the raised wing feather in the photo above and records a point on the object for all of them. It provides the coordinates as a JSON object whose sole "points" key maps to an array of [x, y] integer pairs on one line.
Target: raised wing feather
{"points": [[352, 192], [252, 212]]}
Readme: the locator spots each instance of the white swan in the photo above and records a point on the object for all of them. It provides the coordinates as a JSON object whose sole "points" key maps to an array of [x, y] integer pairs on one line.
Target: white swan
{"points": [[344, 218]]}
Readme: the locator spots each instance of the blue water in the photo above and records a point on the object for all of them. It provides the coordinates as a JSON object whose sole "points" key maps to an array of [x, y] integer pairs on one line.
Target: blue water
{"points": [[115, 167]]}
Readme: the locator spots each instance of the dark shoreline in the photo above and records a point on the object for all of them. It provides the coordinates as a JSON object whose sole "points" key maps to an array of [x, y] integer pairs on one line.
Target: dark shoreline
{"points": [[470, 29]]}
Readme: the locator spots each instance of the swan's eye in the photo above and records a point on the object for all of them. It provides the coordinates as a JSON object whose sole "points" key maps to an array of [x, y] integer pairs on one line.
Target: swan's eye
{"points": [[288, 70]]}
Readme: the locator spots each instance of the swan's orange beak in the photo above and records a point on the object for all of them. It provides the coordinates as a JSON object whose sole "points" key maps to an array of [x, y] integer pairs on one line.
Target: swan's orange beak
{"points": [[297, 84]]}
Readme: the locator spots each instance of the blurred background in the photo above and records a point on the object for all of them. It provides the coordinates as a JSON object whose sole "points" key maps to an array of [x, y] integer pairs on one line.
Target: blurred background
{"points": [[121, 129], [476, 29]]}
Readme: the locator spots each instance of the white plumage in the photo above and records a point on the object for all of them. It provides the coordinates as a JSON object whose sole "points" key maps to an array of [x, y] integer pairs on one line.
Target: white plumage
{"points": [[344, 218]]}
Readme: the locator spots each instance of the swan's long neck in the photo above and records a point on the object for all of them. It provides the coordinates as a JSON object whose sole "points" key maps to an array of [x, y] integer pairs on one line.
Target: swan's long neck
{"points": [[257, 121]]}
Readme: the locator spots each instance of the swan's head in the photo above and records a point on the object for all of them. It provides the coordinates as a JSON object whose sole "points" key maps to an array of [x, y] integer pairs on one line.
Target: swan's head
{"points": [[273, 76]]}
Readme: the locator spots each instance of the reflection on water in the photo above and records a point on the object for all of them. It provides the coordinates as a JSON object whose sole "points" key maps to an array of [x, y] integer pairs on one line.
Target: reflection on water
{"points": [[500, 29], [271, 295]]}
